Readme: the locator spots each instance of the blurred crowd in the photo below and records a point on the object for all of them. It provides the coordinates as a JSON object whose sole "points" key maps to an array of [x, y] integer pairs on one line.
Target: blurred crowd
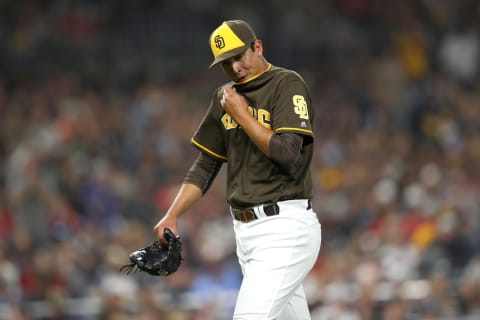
{"points": [[99, 100]]}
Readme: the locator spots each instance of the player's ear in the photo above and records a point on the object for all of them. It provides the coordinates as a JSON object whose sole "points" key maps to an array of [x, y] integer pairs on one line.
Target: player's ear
{"points": [[257, 46]]}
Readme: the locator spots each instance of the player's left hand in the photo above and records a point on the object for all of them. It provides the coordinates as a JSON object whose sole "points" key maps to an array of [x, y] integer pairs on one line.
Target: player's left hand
{"points": [[234, 104]]}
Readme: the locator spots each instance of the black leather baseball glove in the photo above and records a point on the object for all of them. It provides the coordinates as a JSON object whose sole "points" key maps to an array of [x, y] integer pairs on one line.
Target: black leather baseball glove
{"points": [[156, 259]]}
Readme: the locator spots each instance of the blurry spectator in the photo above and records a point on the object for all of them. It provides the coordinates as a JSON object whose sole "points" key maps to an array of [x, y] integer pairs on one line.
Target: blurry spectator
{"points": [[398, 256], [460, 54]]}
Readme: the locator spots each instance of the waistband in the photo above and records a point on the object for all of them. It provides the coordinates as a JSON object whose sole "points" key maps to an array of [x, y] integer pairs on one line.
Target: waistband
{"points": [[266, 210]]}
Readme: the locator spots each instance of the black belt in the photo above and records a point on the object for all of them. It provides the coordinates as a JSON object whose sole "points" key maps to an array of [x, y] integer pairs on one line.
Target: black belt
{"points": [[247, 215]]}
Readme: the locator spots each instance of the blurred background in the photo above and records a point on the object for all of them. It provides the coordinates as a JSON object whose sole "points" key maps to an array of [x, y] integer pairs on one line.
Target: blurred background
{"points": [[99, 99]]}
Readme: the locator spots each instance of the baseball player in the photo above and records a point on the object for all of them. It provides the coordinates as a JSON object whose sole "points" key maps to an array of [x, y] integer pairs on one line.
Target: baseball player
{"points": [[260, 124]]}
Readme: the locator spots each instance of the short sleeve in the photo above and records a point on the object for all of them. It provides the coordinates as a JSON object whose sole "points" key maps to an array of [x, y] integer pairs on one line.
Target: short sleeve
{"points": [[210, 136], [292, 108]]}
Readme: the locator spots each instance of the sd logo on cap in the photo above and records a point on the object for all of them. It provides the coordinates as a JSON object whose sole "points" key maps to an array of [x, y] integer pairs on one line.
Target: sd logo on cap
{"points": [[230, 39]]}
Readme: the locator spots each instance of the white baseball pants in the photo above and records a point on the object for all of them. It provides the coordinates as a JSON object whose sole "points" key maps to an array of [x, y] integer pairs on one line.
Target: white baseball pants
{"points": [[276, 253]]}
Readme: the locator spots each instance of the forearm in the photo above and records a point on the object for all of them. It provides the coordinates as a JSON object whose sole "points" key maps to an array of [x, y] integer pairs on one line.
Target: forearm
{"points": [[259, 134], [197, 181], [186, 197]]}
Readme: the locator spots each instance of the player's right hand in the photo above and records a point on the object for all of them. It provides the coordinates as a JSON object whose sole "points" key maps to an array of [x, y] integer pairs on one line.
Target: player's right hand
{"points": [[169, 222]]}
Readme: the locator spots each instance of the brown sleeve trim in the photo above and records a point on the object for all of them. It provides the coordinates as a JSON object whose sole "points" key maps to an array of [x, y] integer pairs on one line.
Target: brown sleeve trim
{"points": [[285, 149], [203, 171]]}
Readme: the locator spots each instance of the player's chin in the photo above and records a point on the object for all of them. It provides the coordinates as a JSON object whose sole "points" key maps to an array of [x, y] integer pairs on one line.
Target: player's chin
{"points": [[240, 79]]}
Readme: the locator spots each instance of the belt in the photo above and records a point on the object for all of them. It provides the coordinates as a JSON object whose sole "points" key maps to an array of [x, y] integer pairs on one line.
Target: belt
{"points": [[247, 215]]}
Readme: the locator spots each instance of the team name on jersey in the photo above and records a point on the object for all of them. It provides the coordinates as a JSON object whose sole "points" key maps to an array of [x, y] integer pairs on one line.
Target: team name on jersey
{"points": [[262, 116]]}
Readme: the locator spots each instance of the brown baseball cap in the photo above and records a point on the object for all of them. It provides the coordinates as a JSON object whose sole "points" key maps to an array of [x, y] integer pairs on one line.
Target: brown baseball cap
{"points": [[231, 38]]}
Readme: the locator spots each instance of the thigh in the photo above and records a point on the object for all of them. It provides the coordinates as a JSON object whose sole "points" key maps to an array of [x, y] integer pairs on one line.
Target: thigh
{"points": [[297, 307], [284, 252]]}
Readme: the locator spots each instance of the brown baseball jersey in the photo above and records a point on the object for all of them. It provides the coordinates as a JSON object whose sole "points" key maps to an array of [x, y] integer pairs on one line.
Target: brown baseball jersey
{"points": [[280, 100]]}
